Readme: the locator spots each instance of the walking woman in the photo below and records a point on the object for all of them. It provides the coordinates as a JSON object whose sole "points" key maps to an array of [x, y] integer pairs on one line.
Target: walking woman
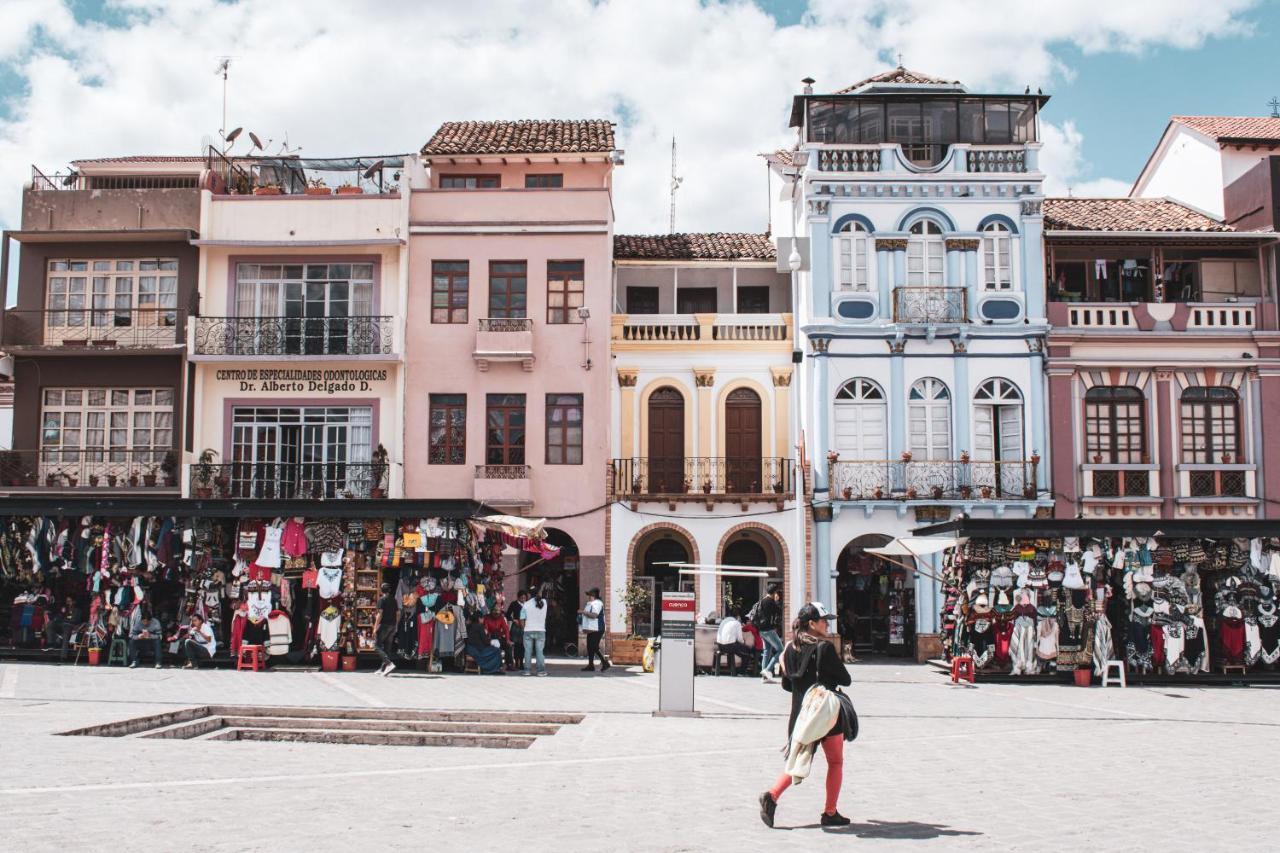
{"points": [[810, 659]]}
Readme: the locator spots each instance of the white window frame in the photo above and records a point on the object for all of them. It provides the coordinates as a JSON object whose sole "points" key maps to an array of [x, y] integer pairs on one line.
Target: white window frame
{"points": [[926, 249], [262, 288], [83, 293], [929, 419], [997, 257], [995, 401], [852, 264], [860, 396], [108, 423]]}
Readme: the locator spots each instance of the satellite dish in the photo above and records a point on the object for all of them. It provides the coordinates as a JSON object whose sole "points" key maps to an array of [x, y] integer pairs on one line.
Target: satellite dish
{"points": [[70, 179], [253, 137], [374, 169], [233, 135]]}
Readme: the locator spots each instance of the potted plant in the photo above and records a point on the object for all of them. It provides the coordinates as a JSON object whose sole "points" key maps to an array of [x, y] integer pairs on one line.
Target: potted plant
{"points": [[93, 480], [349, 189], [635, 485], [1097, 459], [71, 480], [964, 457], [204, 473], [911, 493], [268, 189], [832, 456], [1226, 459], [636, 599], [112, 479], [966, 491], [51, 480], [906, 456], [937, 493], [378, 468], [879, 493], [316, 186], [149, 479], [169, 465], [133, 480], [777, 487], [1028, 491], [847, 493], [986, 492], [1035, 458], [706, 486], [688, 483]]}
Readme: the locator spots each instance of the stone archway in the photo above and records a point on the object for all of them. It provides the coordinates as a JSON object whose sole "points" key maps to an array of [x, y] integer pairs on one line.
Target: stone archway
{"points": [[772, 541]]}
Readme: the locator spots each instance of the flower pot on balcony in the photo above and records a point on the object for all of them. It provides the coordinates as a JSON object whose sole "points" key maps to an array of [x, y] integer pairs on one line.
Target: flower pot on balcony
{"points": [[149, 480], [964, 457], [112, 479], [133, 481], [777, 488], [93, 480], [847, 493], [1029, 491], [51, 481], [966, 491], [1226, 458], [879, 493], [319, 191], [1097, 459], [72, 482], [223, 483], [911, 493], [706, 487], [937, 493], [906, 456], [986, 492], [204, 492], [377, 493], [350, 190]]}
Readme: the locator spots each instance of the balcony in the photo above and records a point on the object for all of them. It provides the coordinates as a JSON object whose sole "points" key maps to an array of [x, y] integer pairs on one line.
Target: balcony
{"points": [[504, 339], [849, 158], [103, 329], [928, 306], [713, 479], [72, 201], [933, 479], [999, 159], [294, 336], [715, 330], [580, 209], [289, 480], [91, 469], [503, 485], [1154, 316], [1116, 481], [1228, 480]]}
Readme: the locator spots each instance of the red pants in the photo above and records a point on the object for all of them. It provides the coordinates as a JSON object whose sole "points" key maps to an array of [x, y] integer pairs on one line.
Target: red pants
{"points": [[833, 749]]}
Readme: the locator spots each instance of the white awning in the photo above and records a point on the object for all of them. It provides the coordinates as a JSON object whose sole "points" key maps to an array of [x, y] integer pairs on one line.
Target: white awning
{"points": [[916, 546]]}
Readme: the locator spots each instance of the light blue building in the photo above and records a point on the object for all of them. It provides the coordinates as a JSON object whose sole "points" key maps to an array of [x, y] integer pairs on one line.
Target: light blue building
{"points": [[922, 313]]}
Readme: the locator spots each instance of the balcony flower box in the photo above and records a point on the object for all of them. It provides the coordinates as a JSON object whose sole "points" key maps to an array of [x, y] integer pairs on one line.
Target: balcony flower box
{"points": [[847, 493], [348, 189], [149, 480], [319, 191], [628, 652], [268, 189]]}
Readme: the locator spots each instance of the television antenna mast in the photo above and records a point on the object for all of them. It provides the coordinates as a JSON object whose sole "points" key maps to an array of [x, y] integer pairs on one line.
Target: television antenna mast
{"points": [[676, 180], [224, 64]]}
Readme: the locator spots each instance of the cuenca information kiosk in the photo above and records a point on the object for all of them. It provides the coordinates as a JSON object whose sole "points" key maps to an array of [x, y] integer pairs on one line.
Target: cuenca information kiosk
{"points": [[675, 655]]}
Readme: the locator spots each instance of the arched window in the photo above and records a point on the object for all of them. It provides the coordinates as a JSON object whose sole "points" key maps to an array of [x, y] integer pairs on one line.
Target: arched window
{"points": [[1210, 425], [997, 272], [1115, 425], [851, 257], [929, 420], [997, 421], [860, 415], [925, 254]]}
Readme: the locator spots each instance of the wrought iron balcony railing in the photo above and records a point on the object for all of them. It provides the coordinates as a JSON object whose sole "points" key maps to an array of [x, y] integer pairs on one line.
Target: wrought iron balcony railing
{"points": [[98, 328], [289, 480], [933, 479], [703, 475], [90, 468], [306, 336], [929, 305]]}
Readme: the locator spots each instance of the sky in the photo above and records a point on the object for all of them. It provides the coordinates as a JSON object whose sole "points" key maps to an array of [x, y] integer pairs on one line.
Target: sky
{"points": [[82, 78]]}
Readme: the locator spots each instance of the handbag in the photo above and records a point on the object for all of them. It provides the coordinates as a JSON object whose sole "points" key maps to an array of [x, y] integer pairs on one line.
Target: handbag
{"points": [[848, 716]]}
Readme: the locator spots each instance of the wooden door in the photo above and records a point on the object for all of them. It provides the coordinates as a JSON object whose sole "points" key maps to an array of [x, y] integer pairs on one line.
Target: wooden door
{"points": [[666, 441], [742, 448]]}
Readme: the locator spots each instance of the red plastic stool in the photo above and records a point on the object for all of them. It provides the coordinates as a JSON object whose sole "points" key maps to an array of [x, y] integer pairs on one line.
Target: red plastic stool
{"points": [[251, 657], [962, 667]]}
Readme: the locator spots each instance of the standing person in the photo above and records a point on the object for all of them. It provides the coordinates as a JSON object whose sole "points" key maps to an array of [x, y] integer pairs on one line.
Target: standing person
{"points": [[514, 608], [533, 619], [200, 644], [517, 643], [384, 629], [592, 615], [810, 658], [768, 621], [144, 628]]}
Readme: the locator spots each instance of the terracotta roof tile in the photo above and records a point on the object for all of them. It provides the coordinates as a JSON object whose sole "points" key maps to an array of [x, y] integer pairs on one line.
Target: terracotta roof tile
{"points": [[699, 247], [899, 75], [522, 137], [1124, 214], [144, 158], [1221, 128], [784, 157]]}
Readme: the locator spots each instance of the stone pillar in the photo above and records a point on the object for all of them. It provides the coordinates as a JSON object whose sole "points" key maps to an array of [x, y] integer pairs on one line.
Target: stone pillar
{"points": [[781, 411], [1268, 461], [705, 379], [897, 400], [1062, 454], [627, 411], [1036, 403], [962, 271], [961, 414], [1031, 254], [821, 414], [822, 559], [887, 273]]}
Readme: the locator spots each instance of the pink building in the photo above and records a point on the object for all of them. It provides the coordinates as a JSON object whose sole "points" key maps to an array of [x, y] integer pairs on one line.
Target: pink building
{"points": [[507, 347]]}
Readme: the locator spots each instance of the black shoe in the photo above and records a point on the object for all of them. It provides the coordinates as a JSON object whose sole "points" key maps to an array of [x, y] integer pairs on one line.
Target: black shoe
{"points": [[834, 819], [768, 805], [588, 669], [605, 665]]}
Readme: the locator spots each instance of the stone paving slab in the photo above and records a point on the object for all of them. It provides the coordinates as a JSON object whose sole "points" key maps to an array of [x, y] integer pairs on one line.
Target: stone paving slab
{"points": [[938, 767]]}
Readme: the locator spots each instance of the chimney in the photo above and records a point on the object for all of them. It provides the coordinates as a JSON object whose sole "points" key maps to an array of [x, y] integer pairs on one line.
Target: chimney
{"points": [[808, 85]]}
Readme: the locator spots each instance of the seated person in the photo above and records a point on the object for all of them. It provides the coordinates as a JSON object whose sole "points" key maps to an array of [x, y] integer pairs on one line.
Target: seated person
{"points": [[496, 626], [751, 637], [729, 639], [482, 651], [145, 631], [66, 622], [200, 643]]}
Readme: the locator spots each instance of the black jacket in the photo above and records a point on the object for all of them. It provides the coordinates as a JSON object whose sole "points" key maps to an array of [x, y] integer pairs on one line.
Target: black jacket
{"points": [[802, 666], [768, 615]]}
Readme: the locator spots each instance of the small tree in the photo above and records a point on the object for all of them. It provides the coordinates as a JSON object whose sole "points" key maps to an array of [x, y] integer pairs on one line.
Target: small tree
{"points": [[636, 599]]}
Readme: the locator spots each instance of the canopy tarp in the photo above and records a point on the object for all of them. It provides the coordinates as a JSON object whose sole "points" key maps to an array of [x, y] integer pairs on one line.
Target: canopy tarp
{"points": [[916, 546]]}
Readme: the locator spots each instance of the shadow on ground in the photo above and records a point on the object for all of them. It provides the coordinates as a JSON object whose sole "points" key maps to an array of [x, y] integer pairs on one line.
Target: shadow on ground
{"points": [[907, 830]]}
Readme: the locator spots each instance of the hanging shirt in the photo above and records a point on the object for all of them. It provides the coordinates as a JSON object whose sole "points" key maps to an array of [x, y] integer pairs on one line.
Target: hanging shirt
{"points": [[330, 628], [269, 556], [259, 605], [329, 581], [294, 540]]}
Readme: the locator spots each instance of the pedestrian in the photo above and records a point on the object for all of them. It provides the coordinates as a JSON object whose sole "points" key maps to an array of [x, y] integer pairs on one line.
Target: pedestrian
{"points": [[592, 616], [145, 629], [200, 644], [384, 629], [517, 644], [810, 658], [533, 619], [768, 621], [514, 608]]}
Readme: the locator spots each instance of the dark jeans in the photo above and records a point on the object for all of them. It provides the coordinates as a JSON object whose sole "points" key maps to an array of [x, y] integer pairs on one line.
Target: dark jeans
{"points": [[195, 653], [137, 644], [517, 653], [593, 649], [741, 651], [384, 643]]}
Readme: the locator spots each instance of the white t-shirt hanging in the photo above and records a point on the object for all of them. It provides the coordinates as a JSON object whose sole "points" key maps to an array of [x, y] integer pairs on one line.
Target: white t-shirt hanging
{"points": [[329, 581], [331, 558], [269, 556], [329, 627], [259, 605], [535, 617]]}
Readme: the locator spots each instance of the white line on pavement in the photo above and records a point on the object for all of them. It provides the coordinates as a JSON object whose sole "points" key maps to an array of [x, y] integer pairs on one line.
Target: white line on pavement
{"points": [[350, 691], [697, 699], [9, 683]]}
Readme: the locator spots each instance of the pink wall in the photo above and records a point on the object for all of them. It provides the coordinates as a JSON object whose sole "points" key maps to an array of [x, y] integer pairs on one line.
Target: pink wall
{"points": [[1062, 437], [512, 174], [438, 359]]}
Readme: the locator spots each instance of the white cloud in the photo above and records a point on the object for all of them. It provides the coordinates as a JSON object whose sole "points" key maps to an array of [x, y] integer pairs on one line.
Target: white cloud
{"points": [[1066, 170], [342, 78]]}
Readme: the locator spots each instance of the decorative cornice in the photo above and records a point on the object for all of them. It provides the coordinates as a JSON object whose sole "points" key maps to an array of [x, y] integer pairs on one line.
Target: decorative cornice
{"points": [[781, 376], [890, 244], [820, 345], [1032, 207], [954, 245], [627, 377], [704, 377]]}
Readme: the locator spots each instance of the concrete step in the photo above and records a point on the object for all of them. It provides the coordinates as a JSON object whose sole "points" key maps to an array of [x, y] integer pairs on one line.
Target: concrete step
{"points": [[376, 738], [555, 718], [332, 724]]}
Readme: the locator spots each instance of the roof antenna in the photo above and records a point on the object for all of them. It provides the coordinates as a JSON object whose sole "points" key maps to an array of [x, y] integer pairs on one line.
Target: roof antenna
{"points": [[224, 63], [1274, 103], [900, 65], [676, 180]]}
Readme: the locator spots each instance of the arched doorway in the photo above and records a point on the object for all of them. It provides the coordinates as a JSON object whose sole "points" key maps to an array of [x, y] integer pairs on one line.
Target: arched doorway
{"points": [[653, 569], [750, 548], [666, 441], [875, 600], [742, 441], [559, 577]]}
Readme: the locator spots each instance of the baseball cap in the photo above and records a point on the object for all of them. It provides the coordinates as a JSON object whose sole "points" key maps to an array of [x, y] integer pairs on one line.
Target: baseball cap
{"points": [[813, 611]]}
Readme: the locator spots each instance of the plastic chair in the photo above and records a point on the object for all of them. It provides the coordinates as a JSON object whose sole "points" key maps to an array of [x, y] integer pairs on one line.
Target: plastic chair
{"points": [[119, 652], [1119, 678], [962, 667], [251, 658], [721, 653]]}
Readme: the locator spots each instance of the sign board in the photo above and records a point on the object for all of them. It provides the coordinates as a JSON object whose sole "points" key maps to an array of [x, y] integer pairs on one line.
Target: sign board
{"points": [[288, 380], [675, 657]]}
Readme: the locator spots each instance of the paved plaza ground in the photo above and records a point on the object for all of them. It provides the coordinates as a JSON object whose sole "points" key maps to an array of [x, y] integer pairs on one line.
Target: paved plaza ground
{"points": [[937, 767]]}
